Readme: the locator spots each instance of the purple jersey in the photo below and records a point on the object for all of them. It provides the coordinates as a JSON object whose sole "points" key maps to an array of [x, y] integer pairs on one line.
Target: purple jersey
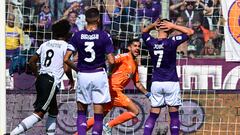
{"points": [[92, 48], [163, 56]]}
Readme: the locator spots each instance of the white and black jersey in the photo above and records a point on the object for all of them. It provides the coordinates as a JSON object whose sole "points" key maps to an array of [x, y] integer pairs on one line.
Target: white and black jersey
{"points": [[52, 53]]}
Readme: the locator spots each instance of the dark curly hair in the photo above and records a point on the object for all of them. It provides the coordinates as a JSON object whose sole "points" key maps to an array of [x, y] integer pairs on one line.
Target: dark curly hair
{"points": [[61, 29]]}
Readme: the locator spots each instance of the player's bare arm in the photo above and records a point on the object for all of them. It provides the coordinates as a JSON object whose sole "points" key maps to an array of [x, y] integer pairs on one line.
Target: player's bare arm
{"points": [[168, 25], [33, 64], [68, 73], [68, 61], [111, 59], [141, 88]]}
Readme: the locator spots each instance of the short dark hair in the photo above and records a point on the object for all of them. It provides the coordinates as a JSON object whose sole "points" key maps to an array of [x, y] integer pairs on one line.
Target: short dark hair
{"points": [[61, 28], [165, 19], [92, 15], [133, 40]]}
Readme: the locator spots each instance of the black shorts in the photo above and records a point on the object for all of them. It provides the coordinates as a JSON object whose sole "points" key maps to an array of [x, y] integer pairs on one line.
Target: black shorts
{"points": [[46, 95]]}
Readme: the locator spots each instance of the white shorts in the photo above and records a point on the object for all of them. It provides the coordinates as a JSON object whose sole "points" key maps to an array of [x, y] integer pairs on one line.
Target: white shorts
{"points": [[93, 88], [165, 93]]}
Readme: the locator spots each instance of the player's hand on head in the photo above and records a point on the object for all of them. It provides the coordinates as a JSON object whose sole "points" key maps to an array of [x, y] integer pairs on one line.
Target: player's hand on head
{"points": [[167, 25], [157, 23]]}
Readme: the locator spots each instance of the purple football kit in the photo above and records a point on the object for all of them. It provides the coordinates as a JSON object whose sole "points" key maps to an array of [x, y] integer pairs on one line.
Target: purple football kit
{"points": [[165, 83], [92, 81]]}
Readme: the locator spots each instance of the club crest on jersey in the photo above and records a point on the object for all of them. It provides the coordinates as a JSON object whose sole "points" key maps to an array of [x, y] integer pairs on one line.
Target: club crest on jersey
{"points": [[234, 20]]}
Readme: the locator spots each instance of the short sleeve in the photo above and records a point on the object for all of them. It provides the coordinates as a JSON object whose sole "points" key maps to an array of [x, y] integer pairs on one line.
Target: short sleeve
{"points": [[70, 48], [73, 41], [38, 52], [147, 38], [179, 39], [109, 44]]}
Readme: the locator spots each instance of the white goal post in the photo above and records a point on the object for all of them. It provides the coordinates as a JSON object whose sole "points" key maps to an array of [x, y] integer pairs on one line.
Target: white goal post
{"points": [[2, 70]]}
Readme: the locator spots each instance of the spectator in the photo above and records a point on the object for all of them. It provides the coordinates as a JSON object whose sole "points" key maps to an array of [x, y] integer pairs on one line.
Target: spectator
{"points": [[14, 37], [45, 17], [77, 18], [72, 17], [209, 49], [151, 9], [217, 13], [197, 39], [206, 8], [176, 8], [75, 6], [190, 14], [217, 40]]}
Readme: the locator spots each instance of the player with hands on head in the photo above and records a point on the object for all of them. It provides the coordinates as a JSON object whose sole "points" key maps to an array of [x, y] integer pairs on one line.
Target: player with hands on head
{"points": [[93, 46], [51, 55], [165, 86]]}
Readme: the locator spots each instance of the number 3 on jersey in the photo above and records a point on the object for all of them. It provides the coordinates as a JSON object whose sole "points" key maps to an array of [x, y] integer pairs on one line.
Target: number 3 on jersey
{"points": [[48, 59], [160, 56], [89, 48]]}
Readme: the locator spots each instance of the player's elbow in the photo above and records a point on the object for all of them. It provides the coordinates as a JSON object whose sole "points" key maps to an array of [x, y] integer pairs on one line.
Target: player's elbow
{"points": [[65, 60], [111, 59]]}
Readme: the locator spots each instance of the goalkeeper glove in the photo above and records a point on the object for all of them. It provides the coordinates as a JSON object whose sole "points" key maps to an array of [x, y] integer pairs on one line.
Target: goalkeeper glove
{"points": [[148, 94]]}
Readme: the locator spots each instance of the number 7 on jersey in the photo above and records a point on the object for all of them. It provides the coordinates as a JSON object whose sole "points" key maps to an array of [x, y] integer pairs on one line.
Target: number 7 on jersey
{"points": [[160, 56]]}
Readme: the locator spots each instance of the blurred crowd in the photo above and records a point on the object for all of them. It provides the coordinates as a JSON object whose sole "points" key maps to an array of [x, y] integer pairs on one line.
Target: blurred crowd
{"points": [[205, 18], [28, 22]]}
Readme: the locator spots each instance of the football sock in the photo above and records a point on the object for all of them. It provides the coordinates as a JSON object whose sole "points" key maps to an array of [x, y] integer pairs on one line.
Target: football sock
{"points": [[175, 123], [81, 122], [26, 124], [51, 125], [98, 124], [121, 119], [150, 123]]}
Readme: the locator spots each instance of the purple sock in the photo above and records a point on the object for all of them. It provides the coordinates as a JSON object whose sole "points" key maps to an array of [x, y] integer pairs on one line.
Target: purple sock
{"points": [[175, 123], [82, 122], [98, 124], [149, 124]]}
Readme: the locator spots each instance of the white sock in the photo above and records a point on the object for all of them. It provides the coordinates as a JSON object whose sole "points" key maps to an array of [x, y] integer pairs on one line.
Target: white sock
{"points": [[51, 125], [26, 124]]}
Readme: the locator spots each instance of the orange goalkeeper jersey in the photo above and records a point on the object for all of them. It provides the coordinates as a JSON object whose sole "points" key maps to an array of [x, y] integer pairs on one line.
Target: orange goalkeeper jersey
{"points": [[125, 69]]}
